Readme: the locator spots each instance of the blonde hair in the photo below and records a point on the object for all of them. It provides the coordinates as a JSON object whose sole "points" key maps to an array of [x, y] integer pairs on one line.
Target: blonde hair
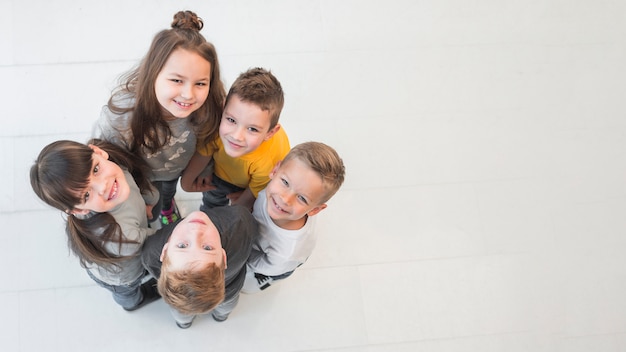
{"points": [[325, 161], [193, 290]]}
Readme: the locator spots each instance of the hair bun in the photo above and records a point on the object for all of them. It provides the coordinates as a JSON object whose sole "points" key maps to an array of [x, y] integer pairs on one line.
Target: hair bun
{"points": [[187, 20]]}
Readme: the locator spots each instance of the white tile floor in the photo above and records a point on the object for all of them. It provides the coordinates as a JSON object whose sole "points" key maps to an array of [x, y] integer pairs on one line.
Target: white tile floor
{"points": [[485, 145]]}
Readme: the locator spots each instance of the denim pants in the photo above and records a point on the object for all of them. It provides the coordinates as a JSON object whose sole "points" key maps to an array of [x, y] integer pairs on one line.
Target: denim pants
{"points": [[217, 197], [167, 191], [126, 296], [221, 312]]}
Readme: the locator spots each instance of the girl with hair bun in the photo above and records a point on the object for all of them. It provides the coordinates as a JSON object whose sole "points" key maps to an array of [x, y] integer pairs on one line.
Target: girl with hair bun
{"points": [[166, 105]]}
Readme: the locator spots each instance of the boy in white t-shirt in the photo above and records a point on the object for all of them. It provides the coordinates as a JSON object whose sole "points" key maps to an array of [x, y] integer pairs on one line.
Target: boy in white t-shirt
{"points": [[299, 187]]}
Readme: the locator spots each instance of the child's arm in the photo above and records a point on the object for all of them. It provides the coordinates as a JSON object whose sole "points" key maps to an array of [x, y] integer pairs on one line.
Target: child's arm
{"points": [[272, 262], [149, 208], [259, 178], [192, 179], [150, 197], [245, 198]]}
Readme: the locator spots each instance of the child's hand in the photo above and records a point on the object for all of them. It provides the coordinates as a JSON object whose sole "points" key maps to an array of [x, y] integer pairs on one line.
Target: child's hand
{"points": [[149, 211], [234, 196], [245, 198], [202, 184], [198, 174]]}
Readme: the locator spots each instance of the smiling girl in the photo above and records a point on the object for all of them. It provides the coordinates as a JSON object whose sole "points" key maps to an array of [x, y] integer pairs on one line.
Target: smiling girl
{"points": [[105, 193], [173, 99]]}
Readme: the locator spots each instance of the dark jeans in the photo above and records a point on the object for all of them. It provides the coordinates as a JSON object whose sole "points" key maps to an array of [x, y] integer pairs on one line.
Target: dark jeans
{"points": [[217, 197], [126, 296], [167, 190], [282, 276]]}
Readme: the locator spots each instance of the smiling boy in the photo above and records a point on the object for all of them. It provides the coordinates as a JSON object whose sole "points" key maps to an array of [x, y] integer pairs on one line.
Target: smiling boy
{"points": [[300, 186], [200, 262], [250, 143]]}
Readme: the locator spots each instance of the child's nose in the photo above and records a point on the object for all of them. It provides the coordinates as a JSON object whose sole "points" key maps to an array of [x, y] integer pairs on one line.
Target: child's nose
{"points": [[185, 91], [238, 133], [100, 187], [288, 197]]}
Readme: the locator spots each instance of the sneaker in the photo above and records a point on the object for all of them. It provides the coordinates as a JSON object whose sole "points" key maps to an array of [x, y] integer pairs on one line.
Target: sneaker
{"points": [[149, 292], [255, 282], [263, 281], [219, 318], [185, 325], [171, 215], [155, 224]]}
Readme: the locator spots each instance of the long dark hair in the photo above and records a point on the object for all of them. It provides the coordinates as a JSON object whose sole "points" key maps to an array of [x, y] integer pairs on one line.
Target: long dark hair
{"points": [[148, 126], [59, 176]]}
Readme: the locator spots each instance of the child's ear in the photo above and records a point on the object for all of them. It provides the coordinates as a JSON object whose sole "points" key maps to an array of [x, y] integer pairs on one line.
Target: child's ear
{"points": [[79, 211], [98, 151], [163, 251], [273, 172], [316, 210], [272, 132]]}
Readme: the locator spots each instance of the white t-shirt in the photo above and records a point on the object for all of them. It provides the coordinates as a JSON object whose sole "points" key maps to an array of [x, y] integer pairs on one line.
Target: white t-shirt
{"points": [[277, 251]]}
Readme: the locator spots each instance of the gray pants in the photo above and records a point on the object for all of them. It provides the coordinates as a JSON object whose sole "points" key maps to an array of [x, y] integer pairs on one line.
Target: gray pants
{"points": [[127, 296], [167, 191], [221, 312]]}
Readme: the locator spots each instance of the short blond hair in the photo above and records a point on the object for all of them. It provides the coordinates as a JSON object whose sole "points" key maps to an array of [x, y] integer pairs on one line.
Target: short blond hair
{"points": [[325, 161], [193, 290]]}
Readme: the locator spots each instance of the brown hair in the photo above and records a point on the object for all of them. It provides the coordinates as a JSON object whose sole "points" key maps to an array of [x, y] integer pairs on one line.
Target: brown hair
{"points": [[148, 126], [193, 290], [260, 87], [58, 177], [325, 161]]}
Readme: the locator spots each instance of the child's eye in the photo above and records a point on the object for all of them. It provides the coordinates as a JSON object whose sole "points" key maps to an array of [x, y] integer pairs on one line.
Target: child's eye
{"points": [[252, 129], [303, 200], [230, 119], [175, 80], [96, 169], [202, 84], [86, 197], [181, 245], [207, 248], [284, 182]]}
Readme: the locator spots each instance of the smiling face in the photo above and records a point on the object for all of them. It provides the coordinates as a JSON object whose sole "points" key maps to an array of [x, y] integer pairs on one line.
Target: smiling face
{"points": [[295, 190], [182, 86], [244, 127], [107, 186], [195, 241]]}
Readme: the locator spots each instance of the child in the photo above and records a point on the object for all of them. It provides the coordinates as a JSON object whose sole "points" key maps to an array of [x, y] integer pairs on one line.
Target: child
{"points": [[203, 262], [104, 191], [300, 186], [251, 142], [171, 101]]}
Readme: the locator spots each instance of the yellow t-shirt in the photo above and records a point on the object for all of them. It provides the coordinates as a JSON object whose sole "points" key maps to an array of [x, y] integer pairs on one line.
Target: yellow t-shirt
{"points": [[250, 170]]}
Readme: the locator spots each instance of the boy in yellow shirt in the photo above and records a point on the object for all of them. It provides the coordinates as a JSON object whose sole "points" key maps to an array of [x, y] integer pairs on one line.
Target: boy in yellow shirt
{"points": [[250, 143]]}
